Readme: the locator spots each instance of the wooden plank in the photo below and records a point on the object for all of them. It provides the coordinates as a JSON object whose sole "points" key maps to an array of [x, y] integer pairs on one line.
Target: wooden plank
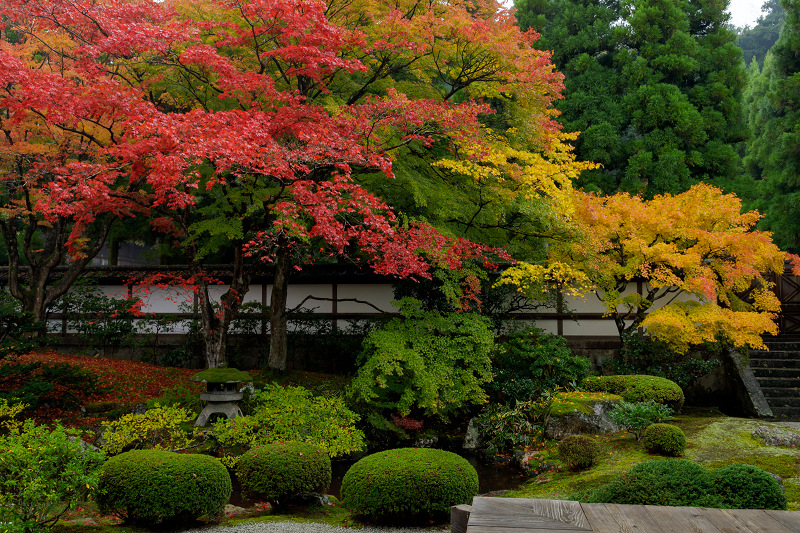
{"points": [[543, 514], [790, 519], [616, 518], [685, 519], [724, 521], [758, 521], [512, 529]]}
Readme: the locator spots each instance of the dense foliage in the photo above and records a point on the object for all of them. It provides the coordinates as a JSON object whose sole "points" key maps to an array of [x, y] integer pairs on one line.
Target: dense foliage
{"points": [[427, 363], [39, 383], [44, 472], [637, 388], [677, 482], [284, 469], [504, 428], [529, 363], [636, 417], [408, 484], [653, 85], [292, 414], [773, 113], [159, 488], [158, 428]]}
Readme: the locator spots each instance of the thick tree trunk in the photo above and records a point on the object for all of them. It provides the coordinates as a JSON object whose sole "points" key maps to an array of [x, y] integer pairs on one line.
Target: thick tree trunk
{"points": [[277, 312], [216, 322]]}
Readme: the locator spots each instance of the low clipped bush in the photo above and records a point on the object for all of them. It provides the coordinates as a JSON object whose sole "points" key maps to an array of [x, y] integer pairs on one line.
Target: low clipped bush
{"points": [[747, 487], [666, 439], [639, 388], [678, 482], [156, 487], [579, 451], [408, 484], [674, 482], [284, 469]]}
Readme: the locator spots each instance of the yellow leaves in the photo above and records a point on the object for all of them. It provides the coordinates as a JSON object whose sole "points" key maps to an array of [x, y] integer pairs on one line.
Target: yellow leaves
{"points": [[683, 324], [535, 280]]}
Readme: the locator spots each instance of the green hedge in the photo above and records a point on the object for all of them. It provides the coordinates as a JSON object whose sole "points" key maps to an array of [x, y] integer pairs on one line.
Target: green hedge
{"points": [[638, 388], [579, 451], [283, 469], [678, 482], [155, 488], [408, 484]]}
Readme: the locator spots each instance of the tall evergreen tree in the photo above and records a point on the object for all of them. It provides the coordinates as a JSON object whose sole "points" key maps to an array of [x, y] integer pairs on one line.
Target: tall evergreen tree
{"points": [[755, 42], [653, 85], [773, 112]]}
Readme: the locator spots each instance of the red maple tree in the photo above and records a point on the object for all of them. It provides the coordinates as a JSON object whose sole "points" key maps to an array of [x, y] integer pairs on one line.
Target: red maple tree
{"points": [[242, 124]]}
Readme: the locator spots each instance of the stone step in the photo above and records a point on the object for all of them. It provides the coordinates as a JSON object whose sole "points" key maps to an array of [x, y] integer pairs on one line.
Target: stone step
{"points": [[786, 412], [774, 363], [776, 372], [780, 392], [783, 401], [774, 354], [788, 345], [787, 383]]}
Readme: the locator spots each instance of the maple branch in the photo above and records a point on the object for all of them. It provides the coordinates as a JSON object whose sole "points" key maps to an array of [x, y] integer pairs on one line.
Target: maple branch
{"points": [[317, 298]]}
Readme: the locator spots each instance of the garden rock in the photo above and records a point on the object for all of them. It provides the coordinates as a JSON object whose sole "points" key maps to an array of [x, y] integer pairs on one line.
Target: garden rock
{"points": [[779, 479], [775, 436], [596, 421], [426, 442], [472, 439]]}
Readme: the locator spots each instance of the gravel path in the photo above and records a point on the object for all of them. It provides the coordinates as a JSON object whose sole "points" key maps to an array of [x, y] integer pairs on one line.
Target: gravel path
{"points": [[297, 527]]}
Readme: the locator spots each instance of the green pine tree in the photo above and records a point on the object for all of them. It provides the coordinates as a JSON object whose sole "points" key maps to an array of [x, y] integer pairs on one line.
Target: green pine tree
{"points": [[653, 85], [773, 112]]}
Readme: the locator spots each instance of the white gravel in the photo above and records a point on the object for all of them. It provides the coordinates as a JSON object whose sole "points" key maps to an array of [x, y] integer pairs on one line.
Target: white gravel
{"points": [[297, 527]]}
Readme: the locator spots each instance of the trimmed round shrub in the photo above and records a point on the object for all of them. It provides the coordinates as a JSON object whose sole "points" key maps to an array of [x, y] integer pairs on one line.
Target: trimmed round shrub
{"points": [[674, 482], [748, 487], [579, 451], [284, 469], [666, 439], [639, 388], [408, 484], [155, 487]]}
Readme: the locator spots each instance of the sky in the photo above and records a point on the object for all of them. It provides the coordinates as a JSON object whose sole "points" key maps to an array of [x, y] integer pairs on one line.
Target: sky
{"points": [[745, 12]]}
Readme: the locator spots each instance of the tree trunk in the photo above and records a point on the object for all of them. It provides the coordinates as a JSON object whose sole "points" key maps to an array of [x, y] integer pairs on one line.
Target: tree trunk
{"points": [[277, 312]]}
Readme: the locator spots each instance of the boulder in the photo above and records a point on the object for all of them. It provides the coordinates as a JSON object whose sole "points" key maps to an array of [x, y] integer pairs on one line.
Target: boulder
{"points": [[472, 439], [581, 413], [776, 436]]}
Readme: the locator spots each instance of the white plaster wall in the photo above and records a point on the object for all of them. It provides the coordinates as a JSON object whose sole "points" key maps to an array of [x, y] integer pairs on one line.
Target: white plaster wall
{"points": [[380, 296]]}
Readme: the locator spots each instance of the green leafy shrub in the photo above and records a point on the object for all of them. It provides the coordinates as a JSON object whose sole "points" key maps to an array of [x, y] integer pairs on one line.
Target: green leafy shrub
{"points": [[408, 484], [179, 396], [101, 321], [678, 482], [639, 389], [643, 354], [531, 362], [293, 414], [283, 469], [44, 472], [579, 451], [159, 428], [666, 439], [428, 363], [637, 416], [741, 486], [156, 487], [504, 428], [37, 383], [673, 482]]}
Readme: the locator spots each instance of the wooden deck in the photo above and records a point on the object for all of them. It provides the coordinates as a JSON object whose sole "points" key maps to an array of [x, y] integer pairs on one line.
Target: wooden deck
{"points": [[517, 515]]}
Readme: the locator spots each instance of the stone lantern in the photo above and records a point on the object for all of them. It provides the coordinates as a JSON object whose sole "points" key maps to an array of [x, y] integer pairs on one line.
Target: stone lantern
{"points": [[222, 392]]}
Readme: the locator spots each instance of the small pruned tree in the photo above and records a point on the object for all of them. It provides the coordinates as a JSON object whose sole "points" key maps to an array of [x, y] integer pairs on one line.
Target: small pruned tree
{"points": [[701, 263]]}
